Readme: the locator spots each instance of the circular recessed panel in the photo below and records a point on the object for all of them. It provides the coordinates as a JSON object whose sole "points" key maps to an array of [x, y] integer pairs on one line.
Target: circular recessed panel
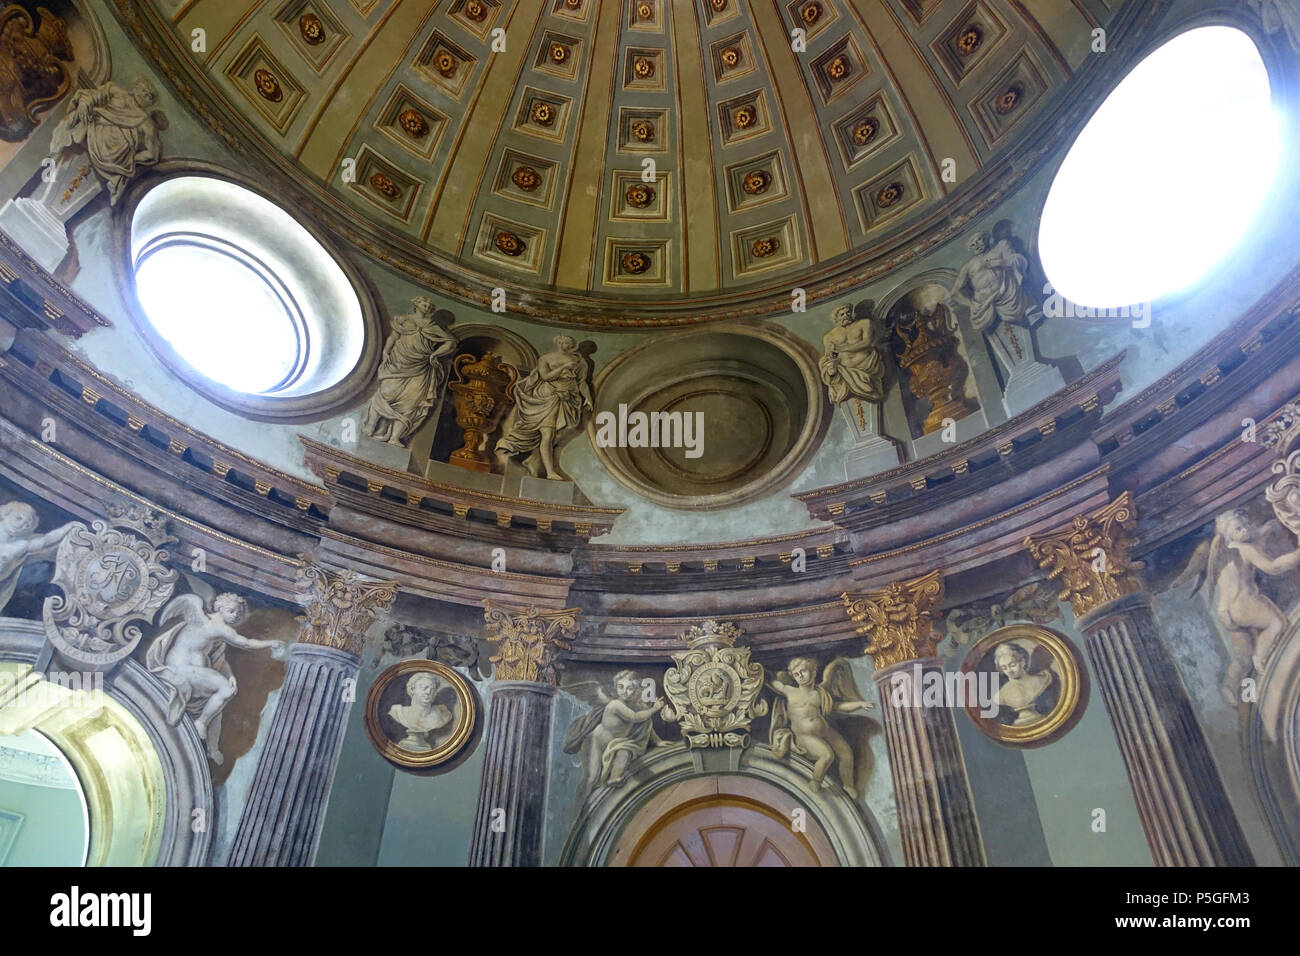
{"points": [[707, 419]]}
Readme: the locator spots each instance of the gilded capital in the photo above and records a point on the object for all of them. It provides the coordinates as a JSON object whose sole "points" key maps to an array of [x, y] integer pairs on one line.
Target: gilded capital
{"points": [[1090, 558], [529, 641], [897, 620], [340, 606]]}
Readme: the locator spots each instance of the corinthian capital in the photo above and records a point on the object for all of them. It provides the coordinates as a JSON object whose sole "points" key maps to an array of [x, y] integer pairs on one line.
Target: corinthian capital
{"points": [[529, 641], [1090, 558], [340, 606], [897, 620]]}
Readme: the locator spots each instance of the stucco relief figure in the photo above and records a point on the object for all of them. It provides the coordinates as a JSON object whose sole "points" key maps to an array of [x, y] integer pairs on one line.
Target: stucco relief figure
{"points": [[1024, 697], [550, 401], [814, 719], [1250, 620], [991, 286], [190, 658], [614, 733], [422, 717], [121, 130], [32, 71], [853, 364], [412, 374], [19, 543]]}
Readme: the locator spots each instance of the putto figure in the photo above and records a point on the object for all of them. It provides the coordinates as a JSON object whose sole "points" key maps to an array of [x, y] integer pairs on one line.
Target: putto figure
{"points": [[19, 543], [551, 400], [412, 374], [1251, 622], [853, 364], [190, 658], [813, 720], [614, 733], [122, 131]]}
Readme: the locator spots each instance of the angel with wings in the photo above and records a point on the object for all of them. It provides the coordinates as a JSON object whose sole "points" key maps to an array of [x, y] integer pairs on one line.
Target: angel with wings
{"points": [[190, 658], [813, 720], [1036, 602], [1251, 621], [614, 733]]}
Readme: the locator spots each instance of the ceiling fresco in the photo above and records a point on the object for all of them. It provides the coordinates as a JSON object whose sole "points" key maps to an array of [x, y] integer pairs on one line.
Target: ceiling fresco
{"points": [[639, 163]]}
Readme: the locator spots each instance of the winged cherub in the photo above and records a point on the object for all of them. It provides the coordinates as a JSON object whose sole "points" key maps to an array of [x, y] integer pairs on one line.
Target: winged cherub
{"points": [[190, 658], [813, 720], [614, 733], [1250, 620]]}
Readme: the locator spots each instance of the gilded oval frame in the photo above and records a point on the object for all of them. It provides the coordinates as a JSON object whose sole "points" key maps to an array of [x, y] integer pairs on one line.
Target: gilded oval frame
{"points": [[1073, 695], [448, 750]]}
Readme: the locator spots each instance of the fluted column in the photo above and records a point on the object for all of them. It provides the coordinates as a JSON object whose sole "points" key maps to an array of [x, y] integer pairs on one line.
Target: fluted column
{"points": [[281, 821], [510, 820], [1180, 796], [936, 812]]}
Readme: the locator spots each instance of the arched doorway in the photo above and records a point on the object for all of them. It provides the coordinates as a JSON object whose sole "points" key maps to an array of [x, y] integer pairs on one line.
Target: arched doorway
{"points": [[723, 820]]}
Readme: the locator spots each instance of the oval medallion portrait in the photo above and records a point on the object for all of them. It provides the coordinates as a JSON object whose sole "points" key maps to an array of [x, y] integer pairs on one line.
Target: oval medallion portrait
{"points": [[421, 714]]}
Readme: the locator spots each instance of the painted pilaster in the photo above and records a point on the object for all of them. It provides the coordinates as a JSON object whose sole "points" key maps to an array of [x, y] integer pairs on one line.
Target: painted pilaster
{"points": [[1180, 796], [281, 822], [936, 812]]}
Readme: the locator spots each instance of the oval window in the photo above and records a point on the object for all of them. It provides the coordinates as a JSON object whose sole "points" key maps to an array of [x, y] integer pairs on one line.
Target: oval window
{"points": [[1167, 176], [234, 289]]}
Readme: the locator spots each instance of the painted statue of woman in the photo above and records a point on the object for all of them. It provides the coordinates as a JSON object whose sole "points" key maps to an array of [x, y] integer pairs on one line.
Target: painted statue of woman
{"points": [[551, 400], [412, 374]]}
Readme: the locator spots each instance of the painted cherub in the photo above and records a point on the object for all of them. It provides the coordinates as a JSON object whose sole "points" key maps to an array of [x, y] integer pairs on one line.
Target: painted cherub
{"points": [[1251, 621], [190, 658], [19, 542], [614, 733], [812, 720]]}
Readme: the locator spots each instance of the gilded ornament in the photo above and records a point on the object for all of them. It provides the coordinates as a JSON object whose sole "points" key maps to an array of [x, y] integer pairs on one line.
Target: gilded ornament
{"points": [[1090, 558], [643, 130], [898, 620], [866, 131], [340, 605], [969, 40], [745, 117], [414, 123], [765, 247], [756, 182], [268, 86], [643, 67], [718, 5], [645, 12], [509, 243], [476, 10], [311, 28], [1009, 99], [889, 195], [445, 62], [385, 186], [529, 641], [934, 364], [810, 13], [838, 68], [543, 113], [640, 195], [482, 393], [420, 714], [730, 57], [526, 178], [559, 53], [34, 65], [635, 263]]}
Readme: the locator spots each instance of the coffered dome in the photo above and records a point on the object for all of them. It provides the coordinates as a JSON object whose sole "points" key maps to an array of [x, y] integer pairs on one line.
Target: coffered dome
{"points": [[640, 163]]}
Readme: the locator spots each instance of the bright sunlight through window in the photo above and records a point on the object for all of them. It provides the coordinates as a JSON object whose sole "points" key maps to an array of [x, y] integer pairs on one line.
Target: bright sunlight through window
{"points": [[1167, 176], [246, 334]]}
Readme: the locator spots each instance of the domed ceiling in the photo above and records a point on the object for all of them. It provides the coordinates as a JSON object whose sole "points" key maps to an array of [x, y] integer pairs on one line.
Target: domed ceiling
{"points": [[604, 160]]}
